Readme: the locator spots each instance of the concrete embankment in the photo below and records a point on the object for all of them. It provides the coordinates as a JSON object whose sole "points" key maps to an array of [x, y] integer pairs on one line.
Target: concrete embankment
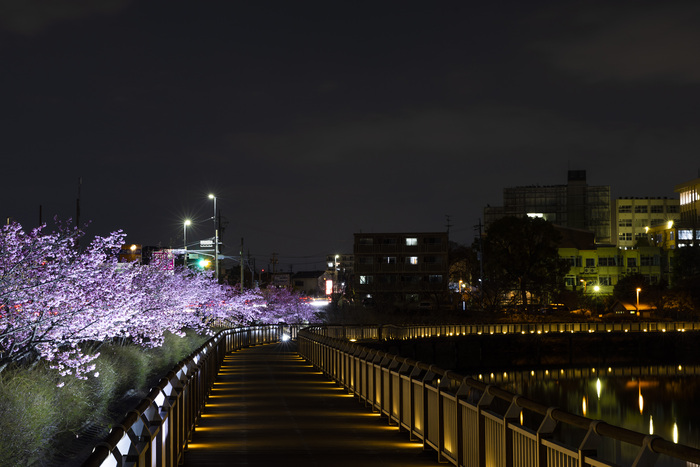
{"points": [[469, 354]]}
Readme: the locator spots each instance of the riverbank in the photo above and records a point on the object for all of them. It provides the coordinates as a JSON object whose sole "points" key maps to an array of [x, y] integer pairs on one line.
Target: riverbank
{"points": [[474, 354]]}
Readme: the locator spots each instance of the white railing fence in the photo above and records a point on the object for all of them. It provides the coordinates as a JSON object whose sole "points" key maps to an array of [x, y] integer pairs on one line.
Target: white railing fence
{"points": [[467, 422]]}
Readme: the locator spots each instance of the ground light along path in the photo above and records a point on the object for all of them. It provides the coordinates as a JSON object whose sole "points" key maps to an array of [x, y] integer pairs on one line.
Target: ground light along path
{"points": [[269, 406]]}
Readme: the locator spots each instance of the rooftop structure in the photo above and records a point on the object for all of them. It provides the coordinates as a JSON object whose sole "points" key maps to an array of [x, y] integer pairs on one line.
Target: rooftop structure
{"points": [[574, 205]]}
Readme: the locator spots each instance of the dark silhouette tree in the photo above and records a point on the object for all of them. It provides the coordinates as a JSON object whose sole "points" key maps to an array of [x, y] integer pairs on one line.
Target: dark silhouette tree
{"points": [[685, 279], [521, 253]]}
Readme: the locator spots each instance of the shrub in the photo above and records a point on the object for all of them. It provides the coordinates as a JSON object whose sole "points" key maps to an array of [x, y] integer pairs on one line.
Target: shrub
{"points": [[36, 410]]}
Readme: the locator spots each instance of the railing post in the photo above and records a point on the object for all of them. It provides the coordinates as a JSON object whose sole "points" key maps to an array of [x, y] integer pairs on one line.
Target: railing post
{"points": [[461, 394], [590, 443], [646, 457], [443, 383], [512, 415], [428, 378], [416, 372], [481, 407], [545, 431]]}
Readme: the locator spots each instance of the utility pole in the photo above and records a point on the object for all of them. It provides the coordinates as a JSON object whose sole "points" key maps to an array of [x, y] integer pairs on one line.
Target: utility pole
{"points": [[481, 259], [241, 261], [273, 261]]}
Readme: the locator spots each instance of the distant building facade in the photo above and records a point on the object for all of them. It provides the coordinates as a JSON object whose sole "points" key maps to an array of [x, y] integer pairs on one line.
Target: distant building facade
{"points": [[309, 282], [339, 269], [401, 268], [633, 217], [575, 205], [689, 194], [596, 268]]}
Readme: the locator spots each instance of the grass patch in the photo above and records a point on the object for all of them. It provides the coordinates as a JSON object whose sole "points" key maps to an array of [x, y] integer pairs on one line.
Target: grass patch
{"points": [[38, 417]]}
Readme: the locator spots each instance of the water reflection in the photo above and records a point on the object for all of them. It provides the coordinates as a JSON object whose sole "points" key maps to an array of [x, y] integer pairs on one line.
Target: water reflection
{"points": [[653, 400]]}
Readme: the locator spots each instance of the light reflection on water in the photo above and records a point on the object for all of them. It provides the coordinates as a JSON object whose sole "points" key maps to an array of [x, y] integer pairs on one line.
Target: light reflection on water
{"points": [[665, 406]]}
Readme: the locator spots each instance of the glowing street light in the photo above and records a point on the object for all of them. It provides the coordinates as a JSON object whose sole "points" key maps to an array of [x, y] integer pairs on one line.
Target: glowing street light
{"points": [[216, 240], [184, 238], [638, 290]]}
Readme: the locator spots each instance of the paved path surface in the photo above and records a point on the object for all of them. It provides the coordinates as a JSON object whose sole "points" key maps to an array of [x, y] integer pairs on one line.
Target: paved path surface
{"points": [[270, 407]]}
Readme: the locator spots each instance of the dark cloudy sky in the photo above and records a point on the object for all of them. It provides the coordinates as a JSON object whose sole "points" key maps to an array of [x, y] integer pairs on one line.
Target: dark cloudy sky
{"points": [[315, 120]]}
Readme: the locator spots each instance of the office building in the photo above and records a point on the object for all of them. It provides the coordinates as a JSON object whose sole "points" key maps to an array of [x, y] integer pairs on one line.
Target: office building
{"points": [[575, 205], [633, 217]]}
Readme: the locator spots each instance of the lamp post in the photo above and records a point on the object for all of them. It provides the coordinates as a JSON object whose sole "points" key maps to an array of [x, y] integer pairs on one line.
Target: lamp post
{"points": [[216, 240], [335, 274], [184, 240], [638, 290]]}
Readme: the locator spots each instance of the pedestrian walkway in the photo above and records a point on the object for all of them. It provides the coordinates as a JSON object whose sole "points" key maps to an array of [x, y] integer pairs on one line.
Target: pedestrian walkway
{"points": [[270, 407]]}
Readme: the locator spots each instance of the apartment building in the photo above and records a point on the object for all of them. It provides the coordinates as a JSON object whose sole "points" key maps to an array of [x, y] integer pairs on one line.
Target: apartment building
{"points": [[634, 216], [401, 267]]}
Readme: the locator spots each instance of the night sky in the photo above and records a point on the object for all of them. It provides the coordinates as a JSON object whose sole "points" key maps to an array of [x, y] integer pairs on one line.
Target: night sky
{"points": [[311, 121]]}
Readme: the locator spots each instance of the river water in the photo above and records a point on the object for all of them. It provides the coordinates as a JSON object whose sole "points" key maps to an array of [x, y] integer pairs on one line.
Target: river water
{"points": [[646, 383], [656, 400]]}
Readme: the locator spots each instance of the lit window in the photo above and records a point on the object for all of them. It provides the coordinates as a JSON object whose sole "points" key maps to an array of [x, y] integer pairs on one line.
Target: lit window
{"points": [[389, 260], [366, 280], [411, 260], [411, 241]]}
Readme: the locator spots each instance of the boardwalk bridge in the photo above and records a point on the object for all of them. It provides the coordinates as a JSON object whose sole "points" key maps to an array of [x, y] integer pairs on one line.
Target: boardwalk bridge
{"points": [[280, 395]]}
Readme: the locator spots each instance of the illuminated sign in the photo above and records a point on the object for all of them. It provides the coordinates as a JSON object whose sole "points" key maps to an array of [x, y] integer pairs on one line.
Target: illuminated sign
{"points": [[164, 259]]}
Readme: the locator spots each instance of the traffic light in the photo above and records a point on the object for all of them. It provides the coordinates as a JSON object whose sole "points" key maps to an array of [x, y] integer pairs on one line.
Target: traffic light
{"points": [[204, 263]]}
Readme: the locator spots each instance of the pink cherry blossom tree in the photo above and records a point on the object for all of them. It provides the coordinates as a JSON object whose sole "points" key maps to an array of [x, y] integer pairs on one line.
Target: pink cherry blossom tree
{"points": [[57, 301]]}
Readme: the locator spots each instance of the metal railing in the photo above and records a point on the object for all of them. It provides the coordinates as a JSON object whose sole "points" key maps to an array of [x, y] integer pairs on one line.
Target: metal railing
{"points": [[157, 430], [467, 422], [389, 331]]}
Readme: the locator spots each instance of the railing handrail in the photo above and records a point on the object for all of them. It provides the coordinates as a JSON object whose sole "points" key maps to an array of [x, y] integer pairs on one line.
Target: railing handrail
{"points": [[312, 337], [392, 331]]}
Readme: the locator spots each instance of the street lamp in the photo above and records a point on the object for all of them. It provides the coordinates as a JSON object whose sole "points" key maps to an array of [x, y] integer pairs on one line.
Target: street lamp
{"points": [[335, 273], [638, 290], [184, 239], [216, 241]]}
